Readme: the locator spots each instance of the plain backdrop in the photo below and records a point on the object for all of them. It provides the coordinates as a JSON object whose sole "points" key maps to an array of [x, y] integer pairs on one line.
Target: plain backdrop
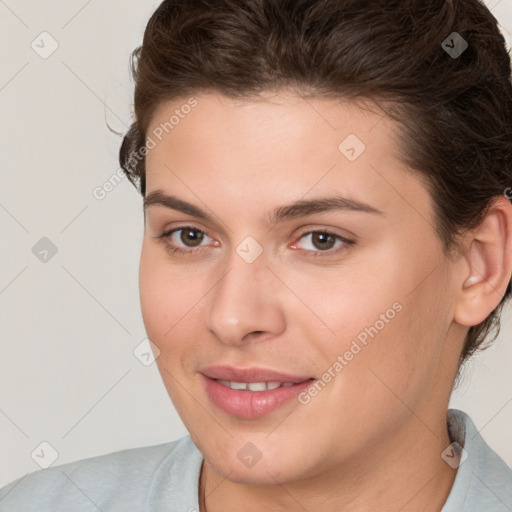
{"points": [[69, 306]]}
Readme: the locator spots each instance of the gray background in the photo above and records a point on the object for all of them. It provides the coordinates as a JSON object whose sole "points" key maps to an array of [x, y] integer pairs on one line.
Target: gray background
{"points": [[69, 325]]}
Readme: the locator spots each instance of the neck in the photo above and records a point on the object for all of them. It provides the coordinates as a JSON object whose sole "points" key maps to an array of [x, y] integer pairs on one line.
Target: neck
{"points": [[403, 471]]}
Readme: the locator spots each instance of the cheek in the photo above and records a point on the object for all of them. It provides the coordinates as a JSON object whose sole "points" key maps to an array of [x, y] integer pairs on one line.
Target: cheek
{"points": [[153, 295], [164, 287], [402, 359], [357, 303], [390, 323], [165, 296], [172, 309]]}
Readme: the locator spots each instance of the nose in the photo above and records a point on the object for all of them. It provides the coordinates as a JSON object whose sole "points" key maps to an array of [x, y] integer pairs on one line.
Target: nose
{"points": [[244, 304]]}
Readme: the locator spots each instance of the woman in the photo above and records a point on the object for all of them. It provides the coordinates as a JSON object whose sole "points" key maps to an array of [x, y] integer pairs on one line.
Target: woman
{"points": [[328, 238]]}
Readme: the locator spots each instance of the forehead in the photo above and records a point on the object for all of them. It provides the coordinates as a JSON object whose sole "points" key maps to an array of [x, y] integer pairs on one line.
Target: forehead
{"points": [[280, 148], [237, 118]]}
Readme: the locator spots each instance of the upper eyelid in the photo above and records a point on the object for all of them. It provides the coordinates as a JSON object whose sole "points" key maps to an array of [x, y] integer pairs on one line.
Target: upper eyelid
{"points": [[316, 227], [190, 226]]}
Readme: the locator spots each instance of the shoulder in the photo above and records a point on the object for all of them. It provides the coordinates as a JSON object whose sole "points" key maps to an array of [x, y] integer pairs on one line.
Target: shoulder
{"points": [[483, 480], [119, 480]]}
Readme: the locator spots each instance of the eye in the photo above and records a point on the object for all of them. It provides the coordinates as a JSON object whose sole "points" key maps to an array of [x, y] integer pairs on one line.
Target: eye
{"points": [[190, 236], [322, 241], [325, 241]]}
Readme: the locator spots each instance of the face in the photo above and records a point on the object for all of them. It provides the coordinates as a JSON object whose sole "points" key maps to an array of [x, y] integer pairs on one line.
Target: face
{"points": [[333, 313]]}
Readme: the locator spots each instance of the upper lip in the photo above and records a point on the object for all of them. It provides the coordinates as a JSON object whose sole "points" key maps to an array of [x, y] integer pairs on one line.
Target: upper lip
{"points": [[252, 374]]}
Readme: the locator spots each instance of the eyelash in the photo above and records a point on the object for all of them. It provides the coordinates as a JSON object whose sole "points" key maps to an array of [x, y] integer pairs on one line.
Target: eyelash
{"points": [[163, 238]]}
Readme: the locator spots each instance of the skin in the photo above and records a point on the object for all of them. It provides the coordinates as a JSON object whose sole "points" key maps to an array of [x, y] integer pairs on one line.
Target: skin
{"points": [[372, 438]]}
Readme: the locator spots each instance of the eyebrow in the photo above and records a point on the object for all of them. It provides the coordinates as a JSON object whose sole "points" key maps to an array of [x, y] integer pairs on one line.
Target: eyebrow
{"points": [[294, 210]]}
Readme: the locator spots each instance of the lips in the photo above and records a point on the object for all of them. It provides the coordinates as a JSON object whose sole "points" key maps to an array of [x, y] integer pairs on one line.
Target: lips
{"points": [[232, 374], [251, 393]]}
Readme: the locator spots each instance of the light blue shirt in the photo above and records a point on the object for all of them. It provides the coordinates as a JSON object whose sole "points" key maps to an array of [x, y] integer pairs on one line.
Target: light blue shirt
{"points": [[165, 478]]}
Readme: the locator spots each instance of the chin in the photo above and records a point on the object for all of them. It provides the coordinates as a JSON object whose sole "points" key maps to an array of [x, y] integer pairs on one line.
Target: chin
{"points": [[257, 475], [264, 468]]}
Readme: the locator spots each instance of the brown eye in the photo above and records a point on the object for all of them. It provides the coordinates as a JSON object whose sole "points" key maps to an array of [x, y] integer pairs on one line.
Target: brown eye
{"points": [[324, 243], [191, 237], [323, 240], [183, 240]]}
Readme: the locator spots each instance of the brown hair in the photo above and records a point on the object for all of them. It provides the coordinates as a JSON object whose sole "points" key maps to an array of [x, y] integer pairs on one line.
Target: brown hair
{"points": [[455, 111]]}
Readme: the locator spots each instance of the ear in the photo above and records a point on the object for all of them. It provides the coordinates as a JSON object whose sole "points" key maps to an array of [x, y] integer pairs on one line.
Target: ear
{"points": [[487, 265]]}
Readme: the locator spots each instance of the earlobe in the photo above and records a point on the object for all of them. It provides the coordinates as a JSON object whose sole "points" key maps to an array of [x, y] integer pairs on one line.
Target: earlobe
{"points": [[487, 265]]}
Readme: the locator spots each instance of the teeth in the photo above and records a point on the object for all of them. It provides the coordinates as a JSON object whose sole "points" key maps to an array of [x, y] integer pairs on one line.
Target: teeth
{"points": [[238, 385], [254, 386]]}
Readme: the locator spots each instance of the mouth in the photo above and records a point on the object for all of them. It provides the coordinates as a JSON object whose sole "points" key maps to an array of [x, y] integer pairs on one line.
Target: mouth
{"points": [[256, 386], [251, 393]]}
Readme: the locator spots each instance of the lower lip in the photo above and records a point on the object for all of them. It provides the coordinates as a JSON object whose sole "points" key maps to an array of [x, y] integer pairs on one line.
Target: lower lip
{"points": [[251, 404]]}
